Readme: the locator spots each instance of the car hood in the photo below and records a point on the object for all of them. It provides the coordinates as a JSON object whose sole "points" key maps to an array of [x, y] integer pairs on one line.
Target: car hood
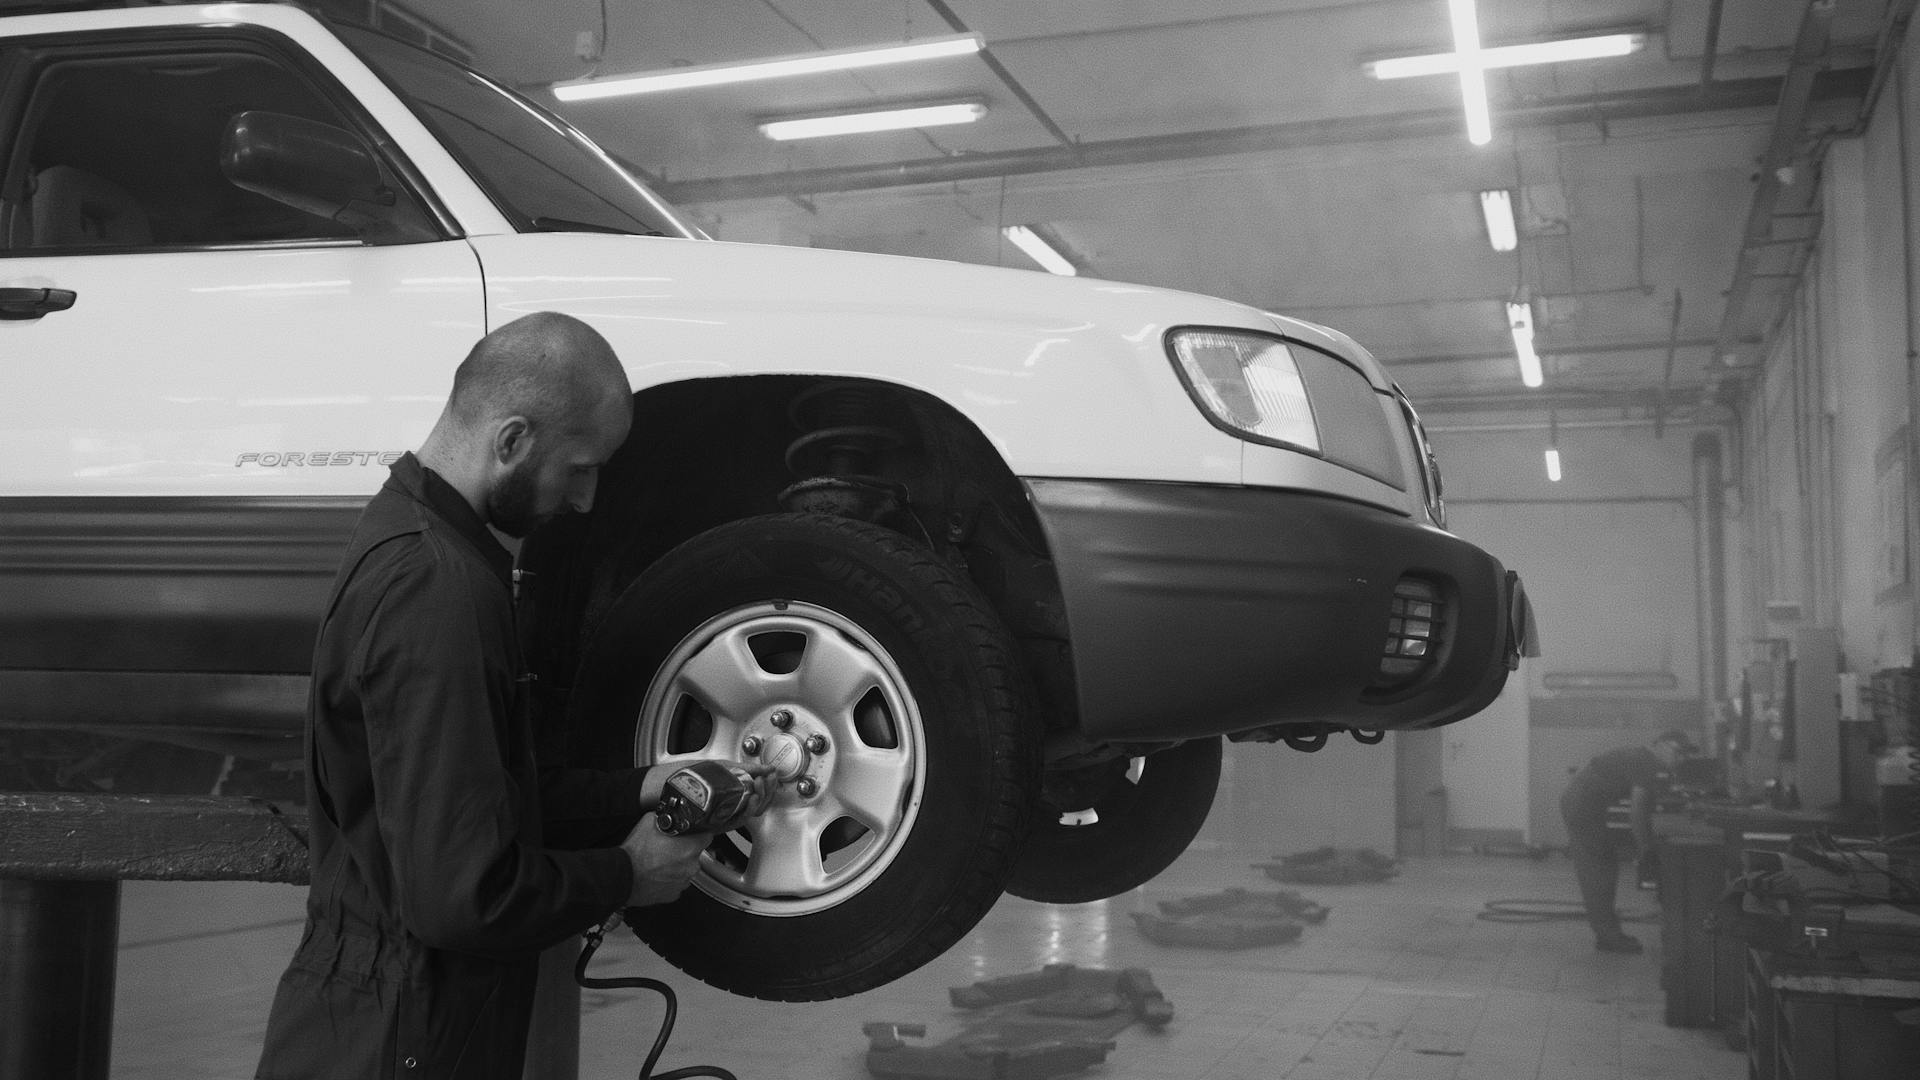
{"points": [[965, 293]]}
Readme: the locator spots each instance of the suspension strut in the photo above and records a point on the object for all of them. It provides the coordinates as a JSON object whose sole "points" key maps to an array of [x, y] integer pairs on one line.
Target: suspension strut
{"points": [[837, 455]]}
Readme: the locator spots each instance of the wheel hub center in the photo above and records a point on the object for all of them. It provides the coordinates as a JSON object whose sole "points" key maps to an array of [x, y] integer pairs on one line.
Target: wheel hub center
{"points": [[786, 755]]}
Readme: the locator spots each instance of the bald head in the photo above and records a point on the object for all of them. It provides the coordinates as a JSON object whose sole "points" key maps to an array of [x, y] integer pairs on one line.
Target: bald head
{"points": [[552, 369], [537, 407]]}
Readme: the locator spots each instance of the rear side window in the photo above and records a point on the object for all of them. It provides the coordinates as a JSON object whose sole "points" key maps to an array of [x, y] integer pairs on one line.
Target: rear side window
{"points": [[122, 151]]}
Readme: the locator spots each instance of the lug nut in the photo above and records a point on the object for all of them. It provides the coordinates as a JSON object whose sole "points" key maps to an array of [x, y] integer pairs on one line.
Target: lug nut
{"points": [[782, 719], [750, 746], [806, 787], [816, 744]]}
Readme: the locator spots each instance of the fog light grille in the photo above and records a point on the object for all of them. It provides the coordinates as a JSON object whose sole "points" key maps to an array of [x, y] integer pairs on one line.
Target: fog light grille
{"points": [[1414, 624]]}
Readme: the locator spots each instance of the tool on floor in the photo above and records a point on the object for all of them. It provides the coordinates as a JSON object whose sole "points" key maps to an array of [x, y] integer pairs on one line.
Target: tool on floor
{"points": [[1331, 866], [1233, 919], [1032, 1026]]}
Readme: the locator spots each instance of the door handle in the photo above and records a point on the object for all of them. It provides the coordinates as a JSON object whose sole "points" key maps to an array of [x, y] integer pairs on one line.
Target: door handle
{"points": [[18, 304]]}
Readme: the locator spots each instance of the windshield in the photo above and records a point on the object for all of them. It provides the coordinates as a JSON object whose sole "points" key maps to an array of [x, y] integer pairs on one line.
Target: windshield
{"points": [[540, 170]]}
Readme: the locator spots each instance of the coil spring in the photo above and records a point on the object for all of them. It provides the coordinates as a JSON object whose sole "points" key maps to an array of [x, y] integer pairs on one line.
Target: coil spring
{"points": [[841, 429]]}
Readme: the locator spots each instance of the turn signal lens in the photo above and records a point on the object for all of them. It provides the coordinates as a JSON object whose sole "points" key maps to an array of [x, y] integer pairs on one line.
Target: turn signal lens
{"points": [[1248, 384]]}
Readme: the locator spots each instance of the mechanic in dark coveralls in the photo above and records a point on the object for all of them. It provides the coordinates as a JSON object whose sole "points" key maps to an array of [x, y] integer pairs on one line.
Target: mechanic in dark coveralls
{"points": [[432, 894], [1637, 770]]}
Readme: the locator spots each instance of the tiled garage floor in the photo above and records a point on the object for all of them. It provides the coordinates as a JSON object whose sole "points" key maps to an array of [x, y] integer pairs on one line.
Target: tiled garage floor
{"points": [[1402, 982]]}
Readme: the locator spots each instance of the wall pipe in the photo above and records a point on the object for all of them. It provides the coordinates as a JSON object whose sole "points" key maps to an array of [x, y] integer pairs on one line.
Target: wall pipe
{"points": [[1912, 449], [1710, 568]]}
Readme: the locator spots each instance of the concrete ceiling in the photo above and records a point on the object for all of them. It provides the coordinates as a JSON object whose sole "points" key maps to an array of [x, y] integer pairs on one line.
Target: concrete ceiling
{"points": [[1238, 148]]}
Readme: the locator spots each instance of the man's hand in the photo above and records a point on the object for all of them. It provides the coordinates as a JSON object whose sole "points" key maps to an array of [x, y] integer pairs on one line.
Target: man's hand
{"points": [[765, 787], [662, 864]]}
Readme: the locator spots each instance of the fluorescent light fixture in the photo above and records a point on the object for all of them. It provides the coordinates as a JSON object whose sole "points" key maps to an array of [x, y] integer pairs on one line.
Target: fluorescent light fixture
{"points": [[1520, 320], [1553, 464], [1505, 56], [1039, 250], [918, 116], [1496, 207], [1473, 77], [681, 78]]}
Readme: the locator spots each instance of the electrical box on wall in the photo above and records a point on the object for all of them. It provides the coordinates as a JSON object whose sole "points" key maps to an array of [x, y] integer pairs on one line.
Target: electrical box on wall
{"points": [[1790, 708], [1816, 716], [1850, 711]]}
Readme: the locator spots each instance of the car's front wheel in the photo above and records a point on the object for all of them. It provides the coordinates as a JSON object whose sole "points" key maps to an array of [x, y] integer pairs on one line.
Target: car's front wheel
{"points": [[876, 682]]}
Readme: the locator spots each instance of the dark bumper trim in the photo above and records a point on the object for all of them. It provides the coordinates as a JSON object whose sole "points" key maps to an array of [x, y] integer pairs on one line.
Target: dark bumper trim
{"points": [[1200, 610]]}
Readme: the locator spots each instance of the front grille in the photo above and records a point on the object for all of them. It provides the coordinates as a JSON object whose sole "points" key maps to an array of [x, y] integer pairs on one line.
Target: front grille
{"points": [[1415, 622]]}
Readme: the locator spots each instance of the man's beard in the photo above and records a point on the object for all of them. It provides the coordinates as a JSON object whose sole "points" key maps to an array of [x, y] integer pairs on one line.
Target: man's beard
{"points": [[513, 506]]}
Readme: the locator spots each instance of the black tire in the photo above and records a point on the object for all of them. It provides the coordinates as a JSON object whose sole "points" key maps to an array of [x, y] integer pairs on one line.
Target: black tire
{"points": [[924, 784], [1142, 822]]}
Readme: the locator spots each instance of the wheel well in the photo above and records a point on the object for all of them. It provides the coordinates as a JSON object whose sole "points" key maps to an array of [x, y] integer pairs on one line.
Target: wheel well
{"points": [[708, 451]]}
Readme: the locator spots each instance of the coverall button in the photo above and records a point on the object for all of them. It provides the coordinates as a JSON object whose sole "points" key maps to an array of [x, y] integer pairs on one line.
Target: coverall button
{"points": [[411, 1062]]}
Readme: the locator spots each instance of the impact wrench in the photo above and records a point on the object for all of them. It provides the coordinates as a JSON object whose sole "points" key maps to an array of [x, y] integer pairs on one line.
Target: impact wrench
{"points": [[705, 797]]}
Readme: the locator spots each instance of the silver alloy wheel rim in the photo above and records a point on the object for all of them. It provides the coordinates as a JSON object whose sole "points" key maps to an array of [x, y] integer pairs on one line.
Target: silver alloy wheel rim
{"points": [[846, 691]]}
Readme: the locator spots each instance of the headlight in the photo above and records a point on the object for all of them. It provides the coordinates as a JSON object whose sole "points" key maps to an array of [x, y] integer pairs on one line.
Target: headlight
{"points": [[1248, 384], [1429, 465]]}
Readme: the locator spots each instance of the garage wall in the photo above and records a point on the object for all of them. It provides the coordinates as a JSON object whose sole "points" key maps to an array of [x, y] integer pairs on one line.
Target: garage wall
{"points": [[1607, 555], [1281, 801], [1826, 468]]}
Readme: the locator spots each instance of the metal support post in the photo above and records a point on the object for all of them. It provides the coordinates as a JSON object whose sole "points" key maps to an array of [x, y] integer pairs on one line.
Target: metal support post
{"points": [[58, 944]]}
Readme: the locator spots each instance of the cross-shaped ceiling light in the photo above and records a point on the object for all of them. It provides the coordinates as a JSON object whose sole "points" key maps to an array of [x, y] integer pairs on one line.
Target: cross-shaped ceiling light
{"points": [[1471, 62]]}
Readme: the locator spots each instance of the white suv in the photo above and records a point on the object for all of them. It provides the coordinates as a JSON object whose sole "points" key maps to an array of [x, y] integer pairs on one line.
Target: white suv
{"points": [[989, 561]]}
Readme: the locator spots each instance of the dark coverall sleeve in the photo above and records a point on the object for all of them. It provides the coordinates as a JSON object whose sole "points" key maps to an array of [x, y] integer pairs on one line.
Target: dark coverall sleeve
{"points": [[588, 807], [438, 695]]}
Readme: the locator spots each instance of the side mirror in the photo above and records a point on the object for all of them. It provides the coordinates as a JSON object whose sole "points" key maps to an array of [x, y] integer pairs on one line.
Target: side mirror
{"points": [[319, 169]]}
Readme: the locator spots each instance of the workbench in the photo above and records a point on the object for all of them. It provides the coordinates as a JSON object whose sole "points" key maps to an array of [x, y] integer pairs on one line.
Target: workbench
{"points": [[1821, 992], [1700, 851], [1807, 1021]]}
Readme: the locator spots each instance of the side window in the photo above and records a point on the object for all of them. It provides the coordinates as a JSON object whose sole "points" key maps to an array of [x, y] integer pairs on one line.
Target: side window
{"points": [[124, 152]]}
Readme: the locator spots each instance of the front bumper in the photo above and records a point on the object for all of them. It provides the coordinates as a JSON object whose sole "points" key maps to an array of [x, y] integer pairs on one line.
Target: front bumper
{"points": [[1204, 610]]}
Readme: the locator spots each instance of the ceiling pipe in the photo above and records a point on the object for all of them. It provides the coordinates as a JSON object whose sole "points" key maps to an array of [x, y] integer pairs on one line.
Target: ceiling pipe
{"points": [[1783, 147], [1666, 375], [1886, 51], [1712, 48], [1539, 401], [1558, 350], [1623, 423], [1844, 85], [999, 70]]}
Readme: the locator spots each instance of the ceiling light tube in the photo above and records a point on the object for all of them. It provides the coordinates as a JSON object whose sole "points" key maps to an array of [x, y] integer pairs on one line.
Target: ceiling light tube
{"points": [[1520, 320], [681, 78], [1496, 207], [1553, 464], [1505, 56], [918, 116], [1473, 77], [1039, 250]]}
